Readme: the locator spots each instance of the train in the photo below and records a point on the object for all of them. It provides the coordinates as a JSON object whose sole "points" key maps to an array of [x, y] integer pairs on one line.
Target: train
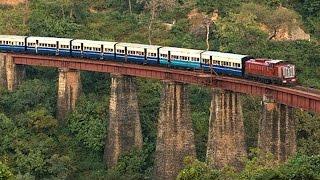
{"points": [[237, 65]]}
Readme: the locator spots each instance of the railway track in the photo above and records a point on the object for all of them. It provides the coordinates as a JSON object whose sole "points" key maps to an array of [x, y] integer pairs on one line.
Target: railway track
{"points": [[307, 89]]}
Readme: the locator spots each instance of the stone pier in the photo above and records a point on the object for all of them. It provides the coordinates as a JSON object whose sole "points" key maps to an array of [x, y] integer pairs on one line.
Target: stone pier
{"points": [[277, 130], [226, 139], [69, 87], [124, 130], [175, 139], [3, 71], [11, 75]]}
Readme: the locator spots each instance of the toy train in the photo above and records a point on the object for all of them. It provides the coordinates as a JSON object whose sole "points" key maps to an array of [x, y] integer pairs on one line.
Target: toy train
{"points": [[264, 70]]}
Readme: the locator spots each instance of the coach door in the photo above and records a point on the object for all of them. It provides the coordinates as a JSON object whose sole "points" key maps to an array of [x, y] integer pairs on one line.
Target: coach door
{"points": [[37, 42], [57, 48], [82, 49], [102, 49], [126, 54], [145, 56]]}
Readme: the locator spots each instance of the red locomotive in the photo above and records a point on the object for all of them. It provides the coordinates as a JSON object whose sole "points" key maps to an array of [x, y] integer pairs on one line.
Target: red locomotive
{"points": [[270, 71]]}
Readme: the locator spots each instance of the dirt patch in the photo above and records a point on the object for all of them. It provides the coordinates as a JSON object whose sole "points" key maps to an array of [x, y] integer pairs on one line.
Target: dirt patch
{"points": [[11, 2]]}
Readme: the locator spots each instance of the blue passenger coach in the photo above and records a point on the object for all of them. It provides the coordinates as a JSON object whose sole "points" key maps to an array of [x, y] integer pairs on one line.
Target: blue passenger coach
{"points": [[12, 43], [224, 63], [180, 57], [137, 53], [93, 49], [48, 46]]}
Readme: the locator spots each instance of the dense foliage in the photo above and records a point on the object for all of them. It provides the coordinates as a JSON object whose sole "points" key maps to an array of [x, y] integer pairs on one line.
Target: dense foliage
{"points": [[33, 145]]}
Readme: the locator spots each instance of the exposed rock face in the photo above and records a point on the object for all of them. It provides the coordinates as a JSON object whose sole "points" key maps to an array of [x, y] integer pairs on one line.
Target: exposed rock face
{"points": [[69, 88], [199, 21], [226, 139], [294, 34], [175, 139], [124, 130], [14, 73], [277, 130]]}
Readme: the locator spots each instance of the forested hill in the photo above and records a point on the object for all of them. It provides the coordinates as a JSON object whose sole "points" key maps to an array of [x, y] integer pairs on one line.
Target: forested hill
{"points": [[34, 146]]}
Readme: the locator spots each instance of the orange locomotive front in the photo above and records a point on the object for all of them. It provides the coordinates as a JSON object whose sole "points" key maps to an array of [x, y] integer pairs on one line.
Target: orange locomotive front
{"points": [[270, 71]]}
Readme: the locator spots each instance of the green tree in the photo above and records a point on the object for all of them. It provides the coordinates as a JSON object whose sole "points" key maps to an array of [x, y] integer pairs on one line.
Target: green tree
{"points": [[195, 169], [5, 172], [11, 21], [31, 94], [131, 165], [88, 123]]}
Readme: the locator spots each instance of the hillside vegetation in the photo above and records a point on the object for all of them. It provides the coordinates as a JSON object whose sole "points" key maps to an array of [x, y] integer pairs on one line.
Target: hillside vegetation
{"points": [[34, 146]]}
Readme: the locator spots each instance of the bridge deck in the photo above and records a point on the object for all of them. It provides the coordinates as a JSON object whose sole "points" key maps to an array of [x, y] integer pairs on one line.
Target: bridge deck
{"points": [[303, 98]]}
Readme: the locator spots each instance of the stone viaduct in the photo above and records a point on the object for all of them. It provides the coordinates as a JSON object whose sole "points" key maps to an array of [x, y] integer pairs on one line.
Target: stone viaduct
{"points": [[175, 138]]}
